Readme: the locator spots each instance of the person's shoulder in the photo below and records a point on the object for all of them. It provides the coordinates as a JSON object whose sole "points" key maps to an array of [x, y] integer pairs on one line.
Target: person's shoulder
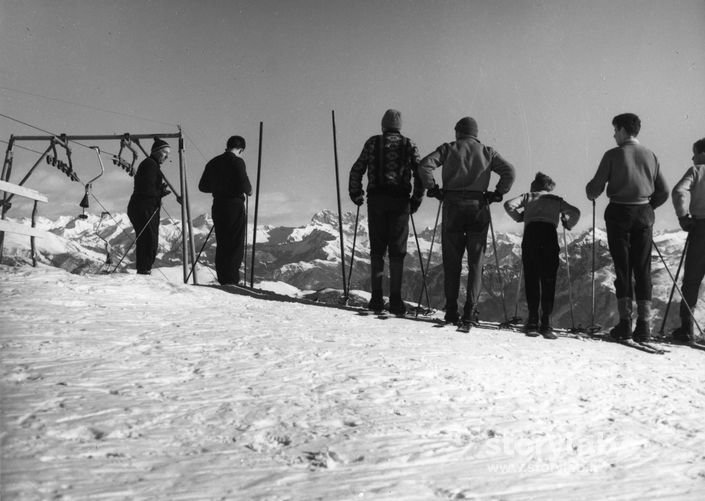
{"points": [[148, 162]]}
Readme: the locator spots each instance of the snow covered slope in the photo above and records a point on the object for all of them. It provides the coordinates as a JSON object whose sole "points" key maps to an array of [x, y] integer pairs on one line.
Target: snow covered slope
{"points": [[133, 387], [308, 258]]}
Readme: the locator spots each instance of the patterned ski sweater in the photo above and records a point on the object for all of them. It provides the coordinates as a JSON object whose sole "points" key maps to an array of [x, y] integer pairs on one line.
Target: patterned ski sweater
{"points": [[391, 162]]}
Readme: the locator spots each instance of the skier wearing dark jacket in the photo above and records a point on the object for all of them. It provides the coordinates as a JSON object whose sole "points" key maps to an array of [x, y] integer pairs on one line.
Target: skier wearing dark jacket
{"points": [[467, 165], [225, 176], [145, 204], [391, 161]]}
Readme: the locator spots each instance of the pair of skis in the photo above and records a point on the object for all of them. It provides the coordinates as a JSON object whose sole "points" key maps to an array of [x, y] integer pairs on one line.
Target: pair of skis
{"points": [[631, 343]]}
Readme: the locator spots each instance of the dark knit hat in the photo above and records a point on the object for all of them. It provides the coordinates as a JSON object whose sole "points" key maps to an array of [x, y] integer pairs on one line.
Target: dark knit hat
{"points": [[466, 126], [159, 144], [391, 120]]}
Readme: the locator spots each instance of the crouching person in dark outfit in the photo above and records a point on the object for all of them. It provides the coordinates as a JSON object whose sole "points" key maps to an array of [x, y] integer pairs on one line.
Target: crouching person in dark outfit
{"points": [[145, 204], [391, 161], [539, 210], [225, 176]]}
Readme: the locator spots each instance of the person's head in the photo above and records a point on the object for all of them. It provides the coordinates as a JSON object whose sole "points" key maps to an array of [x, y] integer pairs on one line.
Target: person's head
{"points": [[391, 121], [236, 144], [466, 127], [699, 151], [626, 126], [542, 182], [160, 150]]}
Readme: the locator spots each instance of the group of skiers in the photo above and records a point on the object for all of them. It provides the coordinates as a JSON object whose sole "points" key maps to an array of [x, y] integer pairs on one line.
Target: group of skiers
{"points": [[397, 177]]}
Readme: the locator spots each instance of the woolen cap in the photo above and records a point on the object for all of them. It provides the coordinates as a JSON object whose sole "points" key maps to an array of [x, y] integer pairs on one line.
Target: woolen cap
{"points": [[391, 120], [466, 126], [159, 144]]}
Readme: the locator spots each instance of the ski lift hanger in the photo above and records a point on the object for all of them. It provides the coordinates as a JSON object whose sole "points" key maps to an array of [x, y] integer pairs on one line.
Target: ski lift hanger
{"points": [[84, 204]]}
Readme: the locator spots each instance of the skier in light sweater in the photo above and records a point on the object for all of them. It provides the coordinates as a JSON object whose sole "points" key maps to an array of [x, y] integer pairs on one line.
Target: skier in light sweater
{"points": [[689, 201]]}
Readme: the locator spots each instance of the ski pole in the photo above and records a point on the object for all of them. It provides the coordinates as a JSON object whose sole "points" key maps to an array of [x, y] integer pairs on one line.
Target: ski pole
{"points": [[670, 297], [340, 217], [423, 271], [198, 256], [244, 261], [570, 282], [136, 238], [690, 311], [430, 253], [593, 328], [352, 256], [499, 272]]}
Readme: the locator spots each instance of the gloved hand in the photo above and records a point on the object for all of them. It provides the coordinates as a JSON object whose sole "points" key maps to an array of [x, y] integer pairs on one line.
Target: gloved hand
{"points": [[435, 192], [414, 204], [686, 223], [493, 196], [357, 198], [564, 222]]}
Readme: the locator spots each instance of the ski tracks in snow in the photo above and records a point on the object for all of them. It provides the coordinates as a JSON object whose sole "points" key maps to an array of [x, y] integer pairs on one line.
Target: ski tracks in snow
{"points": [[127, 387]]}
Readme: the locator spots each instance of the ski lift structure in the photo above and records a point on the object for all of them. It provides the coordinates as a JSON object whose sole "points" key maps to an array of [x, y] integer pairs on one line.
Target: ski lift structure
{"points": [[59, 146]]}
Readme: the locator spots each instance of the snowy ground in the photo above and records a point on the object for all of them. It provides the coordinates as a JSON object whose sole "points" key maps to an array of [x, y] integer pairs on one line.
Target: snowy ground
{"points": [[132, 387]]}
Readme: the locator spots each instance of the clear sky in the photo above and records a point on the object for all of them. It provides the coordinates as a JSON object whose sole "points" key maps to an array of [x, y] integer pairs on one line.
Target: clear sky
{"points": [[542, 78]]}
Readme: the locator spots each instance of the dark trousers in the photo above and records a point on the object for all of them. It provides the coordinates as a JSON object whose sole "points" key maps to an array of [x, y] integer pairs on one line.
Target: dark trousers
{"points": [[629, 236], [144, 216], [230, 223], [539, 255], [466, 219], [388, 225], [694, 267]]}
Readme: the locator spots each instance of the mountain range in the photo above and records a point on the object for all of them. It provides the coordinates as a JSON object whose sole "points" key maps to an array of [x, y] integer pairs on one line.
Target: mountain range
{"points": [[308, 258]]}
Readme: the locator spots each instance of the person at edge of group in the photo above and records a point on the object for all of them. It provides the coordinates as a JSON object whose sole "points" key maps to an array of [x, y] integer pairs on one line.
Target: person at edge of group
{"points": [[467, 165], [540, 211], [689, 201], [635, 187], [391, 161], [145, 204], [225, 176]]}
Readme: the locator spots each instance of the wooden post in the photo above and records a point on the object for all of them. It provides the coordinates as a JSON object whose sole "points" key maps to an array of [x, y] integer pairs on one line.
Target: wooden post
{"points": [[340, 216], [254, 226]]}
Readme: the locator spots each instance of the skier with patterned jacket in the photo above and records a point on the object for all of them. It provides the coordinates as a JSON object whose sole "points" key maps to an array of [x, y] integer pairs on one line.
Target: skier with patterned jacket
{"points": [[540, 211], [394, 191]]}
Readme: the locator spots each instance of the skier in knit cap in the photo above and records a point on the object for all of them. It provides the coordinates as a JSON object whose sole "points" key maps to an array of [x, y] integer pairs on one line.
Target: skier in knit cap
{"points": [[635, 187], [467, 166], [689, 201], [394, 192], [540, 211], [145, 204], [225, 176]]}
